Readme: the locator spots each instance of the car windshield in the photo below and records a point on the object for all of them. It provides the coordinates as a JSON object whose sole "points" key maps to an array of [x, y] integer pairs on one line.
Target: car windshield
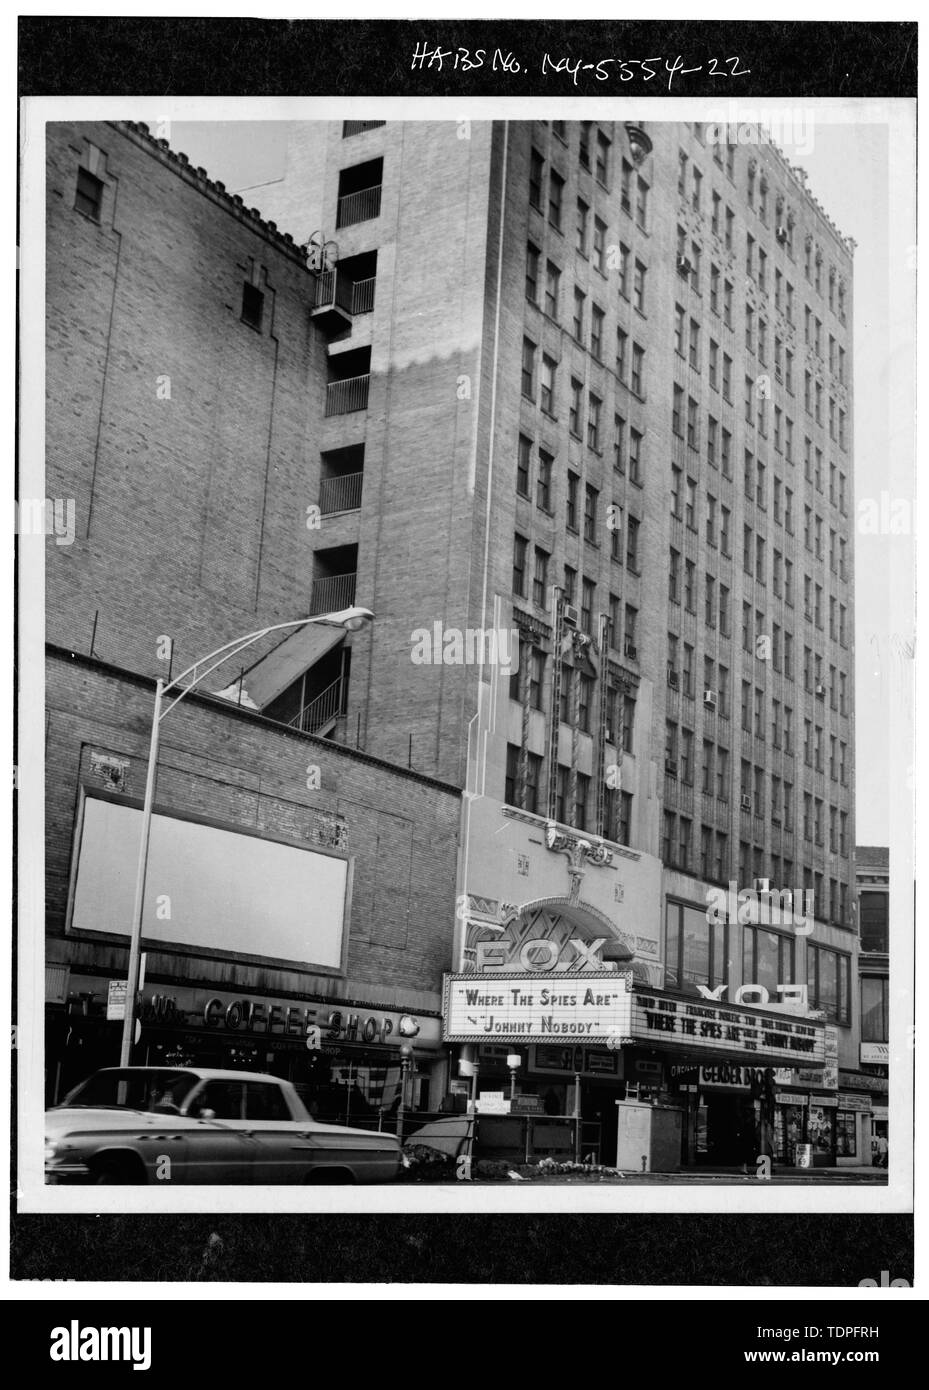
{"points": [[134, 1088]]}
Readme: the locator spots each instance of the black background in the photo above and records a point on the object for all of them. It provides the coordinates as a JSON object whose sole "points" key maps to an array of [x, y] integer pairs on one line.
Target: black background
{"points": [[208, 57]]}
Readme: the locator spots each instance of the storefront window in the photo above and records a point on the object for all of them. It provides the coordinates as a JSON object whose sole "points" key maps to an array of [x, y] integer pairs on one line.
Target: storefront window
{"points": [[845, 1146], [874, 1008], [695, 949], [821, 1130]]}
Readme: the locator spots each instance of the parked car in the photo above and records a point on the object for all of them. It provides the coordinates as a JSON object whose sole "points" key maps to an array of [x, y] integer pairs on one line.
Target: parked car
{"points": [[194, 1125]]}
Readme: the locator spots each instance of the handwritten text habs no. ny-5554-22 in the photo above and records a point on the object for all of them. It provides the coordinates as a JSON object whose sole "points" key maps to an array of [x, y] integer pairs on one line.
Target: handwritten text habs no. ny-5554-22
{"points": [[426, 56]]}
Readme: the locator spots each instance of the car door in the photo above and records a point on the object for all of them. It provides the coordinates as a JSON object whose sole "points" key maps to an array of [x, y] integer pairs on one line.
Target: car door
{"points": [[220, 1147], [283, 1146]]}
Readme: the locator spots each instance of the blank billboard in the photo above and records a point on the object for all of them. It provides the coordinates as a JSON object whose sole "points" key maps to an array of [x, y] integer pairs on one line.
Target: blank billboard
{"points": [[209, 887]]}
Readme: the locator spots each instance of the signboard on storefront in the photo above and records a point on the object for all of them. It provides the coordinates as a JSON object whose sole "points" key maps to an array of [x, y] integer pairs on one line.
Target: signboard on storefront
{"points": [[874, 1052], [679, 1024], [588, 1008], [849, 1102], [830, 1076]]}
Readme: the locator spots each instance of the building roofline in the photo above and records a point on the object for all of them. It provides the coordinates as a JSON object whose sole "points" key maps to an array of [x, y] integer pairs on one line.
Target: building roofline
{"points": [[216, 192], [214, 703]]}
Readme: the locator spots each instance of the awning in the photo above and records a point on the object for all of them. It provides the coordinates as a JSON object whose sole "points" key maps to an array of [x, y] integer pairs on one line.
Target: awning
{"points": [[287, 662]]}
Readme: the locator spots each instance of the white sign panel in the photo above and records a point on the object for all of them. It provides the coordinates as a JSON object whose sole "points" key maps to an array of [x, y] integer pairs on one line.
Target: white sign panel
{"points": [[875, 1052], [116, 999], [210, 887], [680, 1024], [518, 1007]]}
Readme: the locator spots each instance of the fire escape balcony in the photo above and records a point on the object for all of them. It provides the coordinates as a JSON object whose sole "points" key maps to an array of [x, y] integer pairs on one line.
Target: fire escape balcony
{"points": [[338, 299]]}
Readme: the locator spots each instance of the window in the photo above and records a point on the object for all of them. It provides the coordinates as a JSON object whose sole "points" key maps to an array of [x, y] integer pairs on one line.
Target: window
{"points": [[543, 494], [547, 400], [574, 407], [724, 524], [88, 198], [536, 168], [712, 430], [588, 592], [522, 466], [641, 204], [540, 578], [690, 506], [693, 433], [696, 950], [875, 1006], [674, 576], [614, 523], [709, 604], [714, 289], [829, 982], [532, 273], [596, 332], [632, 544], [552, 289], [628, 720], [690, 586], [585, 699], [727, 303], [577, 322], [520, 545], [573, 485], [638, 363], [536, 678], [528, 370], [727, 378], [624, 270], [622, 341], [767, 958], [591, 497], [252, 306], [635, 454], [697, 183], [583, 153], [619, 443], [625, 187], [599, 256], [583, 220], [681, 174], [694, 348], [638, 287], [714, 216], [602, 168], [555, 199]]}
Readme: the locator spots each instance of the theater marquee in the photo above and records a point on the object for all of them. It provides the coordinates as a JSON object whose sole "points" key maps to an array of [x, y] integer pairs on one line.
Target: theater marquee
{"points": [[680, 1024], [533, 1008], [607, 1008]]}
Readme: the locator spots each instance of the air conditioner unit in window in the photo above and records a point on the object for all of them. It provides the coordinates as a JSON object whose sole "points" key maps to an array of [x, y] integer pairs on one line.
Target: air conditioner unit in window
{"points": [[684, 265], [670, 766], [630, 650], [709, 698], [821, 690], [672, 678], [570, 615], [781, 233], [746, 803]]}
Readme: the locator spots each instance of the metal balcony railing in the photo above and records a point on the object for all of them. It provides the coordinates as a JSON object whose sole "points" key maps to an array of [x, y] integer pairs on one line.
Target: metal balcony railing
{"points": [[333, 594], [342, 397], [329, 704], [359, 127], [340, 494], [359, 207], [354, 296]]}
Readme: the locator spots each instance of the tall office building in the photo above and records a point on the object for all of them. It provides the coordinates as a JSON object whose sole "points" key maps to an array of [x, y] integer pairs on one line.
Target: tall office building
{"points": [[600, 390]]}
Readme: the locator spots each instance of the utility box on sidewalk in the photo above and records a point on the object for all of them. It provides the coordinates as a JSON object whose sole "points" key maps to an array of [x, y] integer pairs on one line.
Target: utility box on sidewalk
{"points": [[648, 1137]]}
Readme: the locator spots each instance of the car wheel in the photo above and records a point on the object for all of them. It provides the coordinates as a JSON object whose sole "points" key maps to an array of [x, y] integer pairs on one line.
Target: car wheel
{"points": [[113, 1172]]}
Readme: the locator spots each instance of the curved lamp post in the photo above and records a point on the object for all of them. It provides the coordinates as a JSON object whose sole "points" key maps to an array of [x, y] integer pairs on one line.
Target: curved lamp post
{"points": [[349, 618]]}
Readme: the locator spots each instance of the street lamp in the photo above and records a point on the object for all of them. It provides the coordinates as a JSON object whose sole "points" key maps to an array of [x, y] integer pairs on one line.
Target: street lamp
{"points": [[406, 1059], [351, 619], [514, 1062]]}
